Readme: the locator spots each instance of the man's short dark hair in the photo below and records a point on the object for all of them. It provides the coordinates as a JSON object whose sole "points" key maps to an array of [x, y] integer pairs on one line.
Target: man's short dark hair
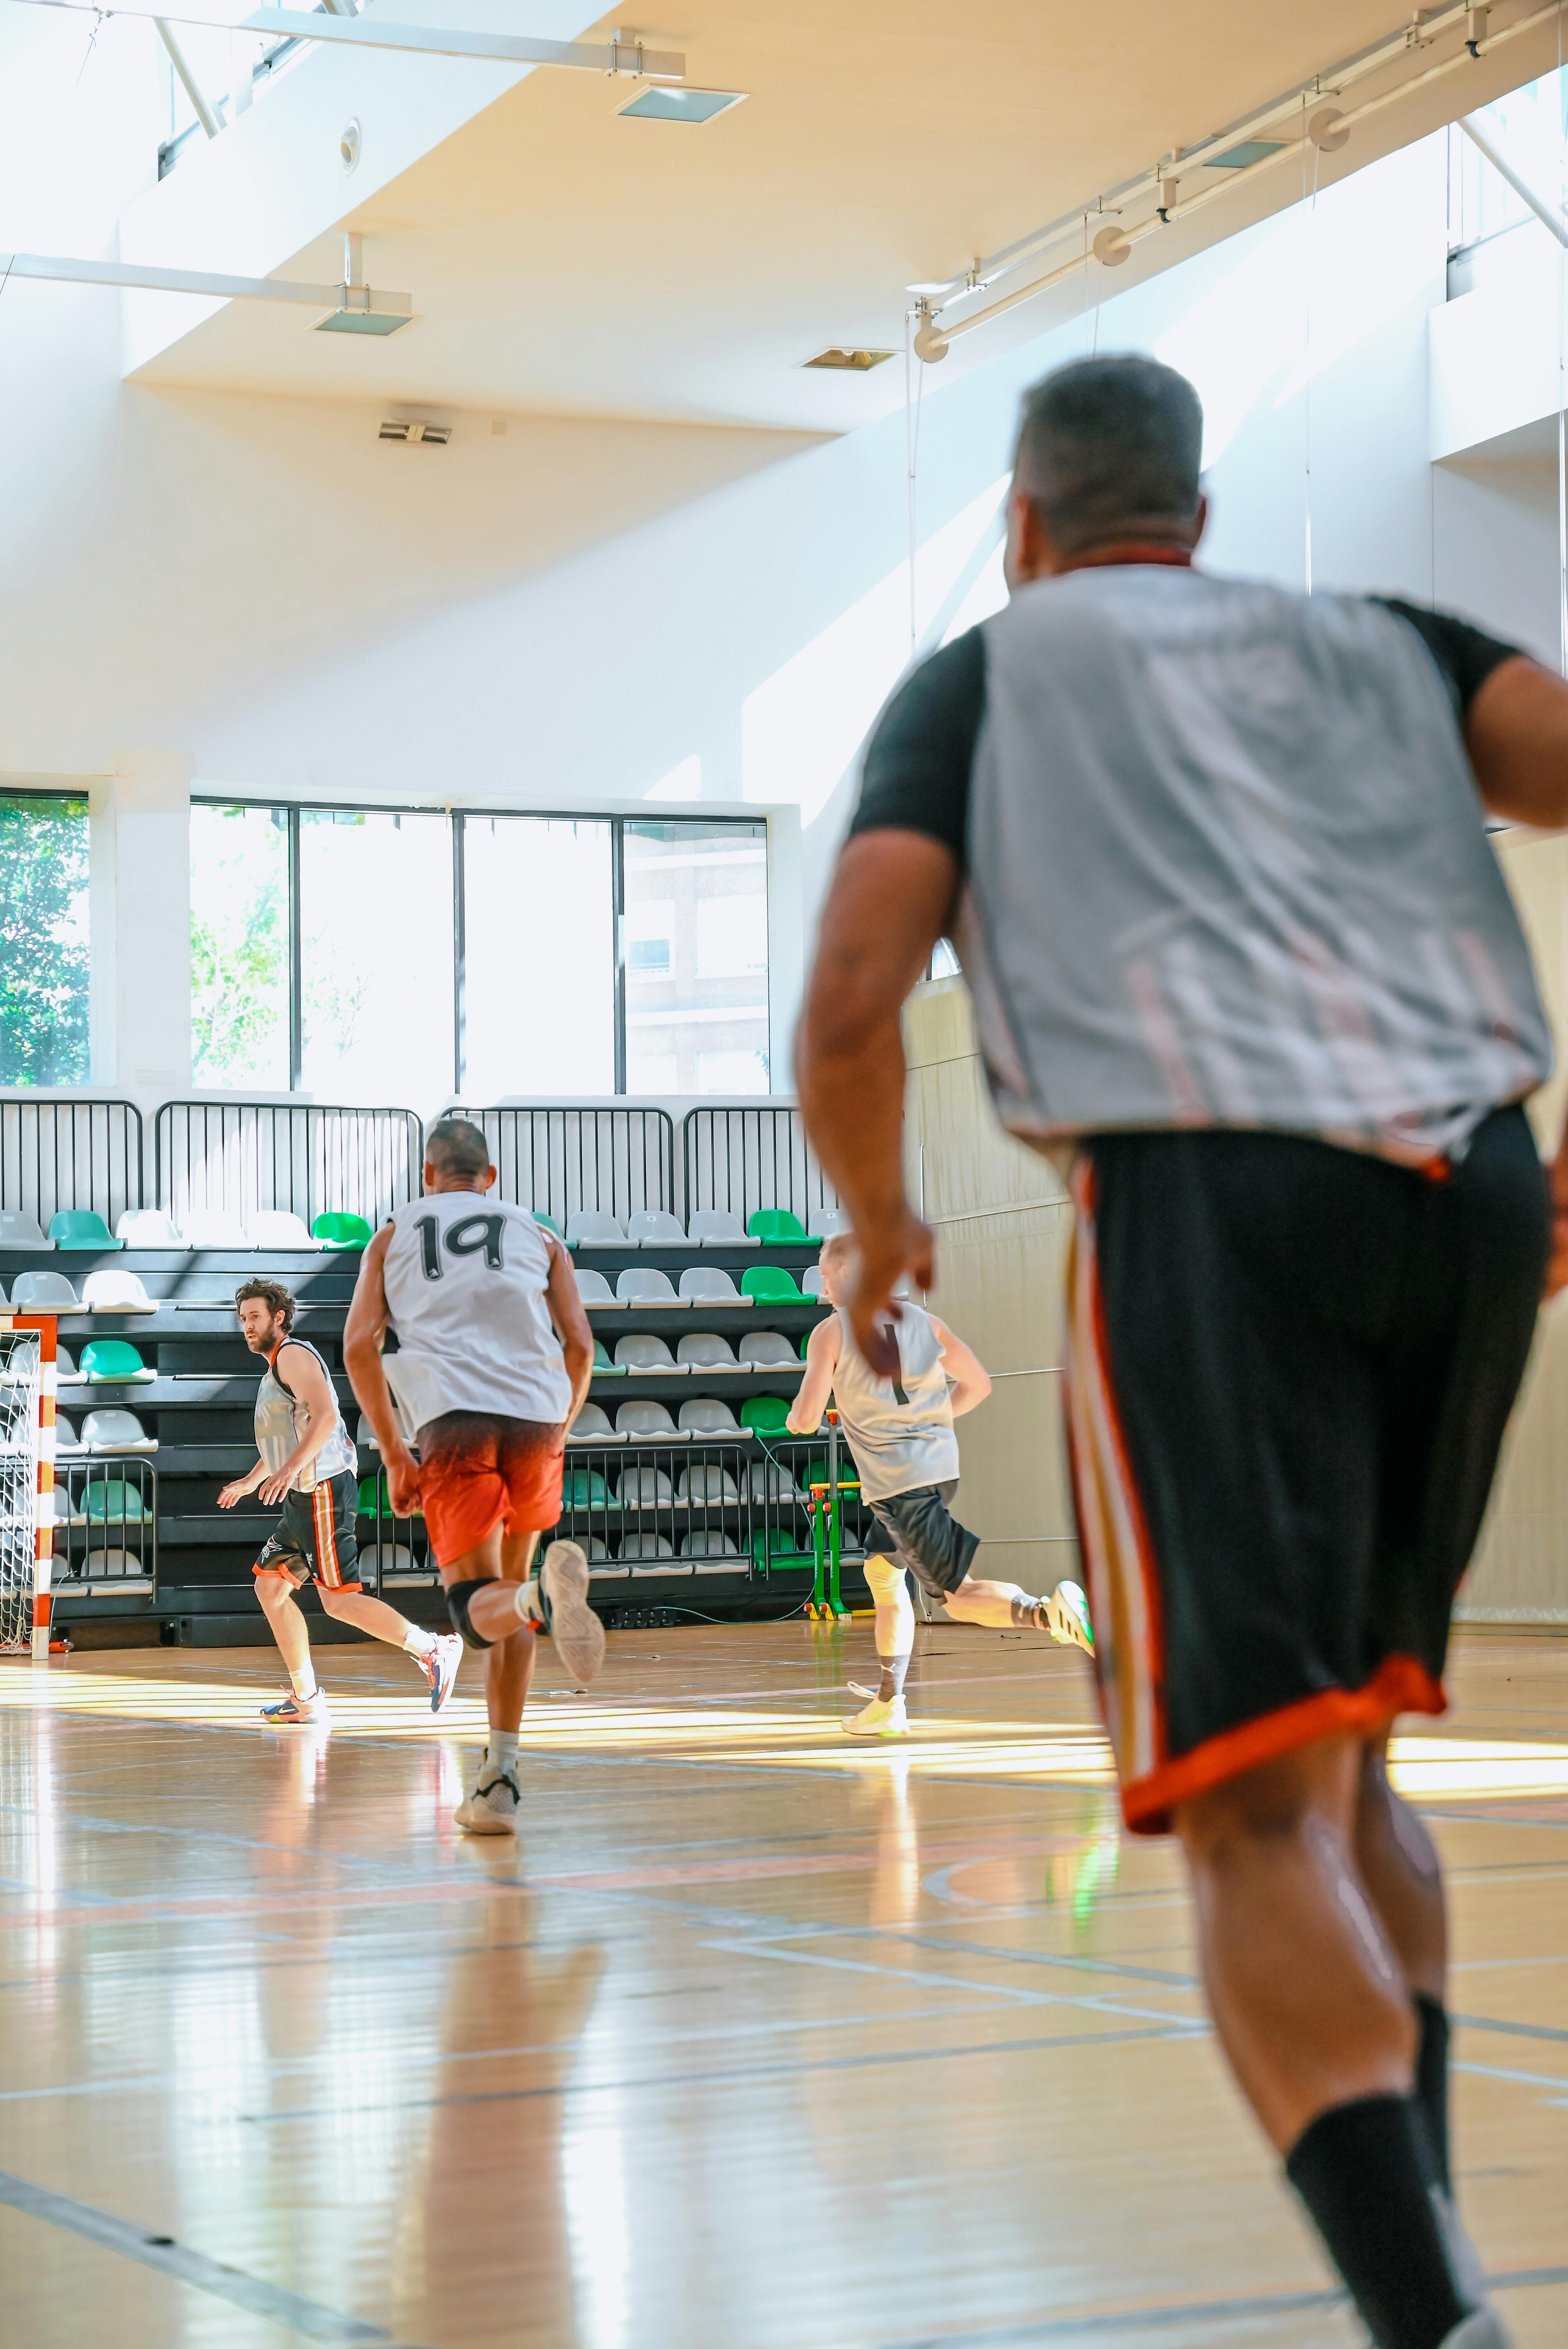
{"points": [[456, 1146], [274, 1296], [1110, 448]]}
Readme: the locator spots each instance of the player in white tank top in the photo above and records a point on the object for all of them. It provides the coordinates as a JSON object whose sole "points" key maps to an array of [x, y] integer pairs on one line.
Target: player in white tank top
{"points": [[900, 1430], [494, 1357]]}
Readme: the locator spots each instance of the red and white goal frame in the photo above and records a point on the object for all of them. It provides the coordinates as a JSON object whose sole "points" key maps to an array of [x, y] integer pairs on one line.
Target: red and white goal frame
{"points": [[33, 1472]]}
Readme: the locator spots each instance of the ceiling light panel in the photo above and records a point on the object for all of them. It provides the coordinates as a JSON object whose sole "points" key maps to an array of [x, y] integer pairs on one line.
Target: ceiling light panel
{"points": [[661, 105], [851, 362]]}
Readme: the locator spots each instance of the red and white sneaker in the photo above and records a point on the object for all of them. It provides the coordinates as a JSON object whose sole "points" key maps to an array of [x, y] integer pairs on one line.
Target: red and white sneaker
{"points": [[293, 1712], [440, 1667]]}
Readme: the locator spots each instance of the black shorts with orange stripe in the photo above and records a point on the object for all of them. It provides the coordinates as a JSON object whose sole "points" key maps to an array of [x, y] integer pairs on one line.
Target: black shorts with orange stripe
{"points": [[1289, 1371], [315, 1536]]}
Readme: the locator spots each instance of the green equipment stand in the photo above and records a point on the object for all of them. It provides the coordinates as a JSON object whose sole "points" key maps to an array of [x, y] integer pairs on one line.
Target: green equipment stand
{"points": [[826, 1603]]}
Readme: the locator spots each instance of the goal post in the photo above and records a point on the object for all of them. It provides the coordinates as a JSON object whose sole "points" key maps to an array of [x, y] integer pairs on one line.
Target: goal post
{"points": [[27, 1390]]}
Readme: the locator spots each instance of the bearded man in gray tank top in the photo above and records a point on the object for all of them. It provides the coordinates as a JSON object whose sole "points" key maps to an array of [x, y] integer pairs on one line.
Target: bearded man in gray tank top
{"points": [[900, 1430], [1243, 963], [308, 1461], [494, 1357]]}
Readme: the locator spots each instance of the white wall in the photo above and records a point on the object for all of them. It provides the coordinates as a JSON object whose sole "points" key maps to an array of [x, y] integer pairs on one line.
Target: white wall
{"points": [[582, 613]]}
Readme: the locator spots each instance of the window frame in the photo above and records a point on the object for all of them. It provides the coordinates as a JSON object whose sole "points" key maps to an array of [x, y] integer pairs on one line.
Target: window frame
{"points": [[457, 818]]}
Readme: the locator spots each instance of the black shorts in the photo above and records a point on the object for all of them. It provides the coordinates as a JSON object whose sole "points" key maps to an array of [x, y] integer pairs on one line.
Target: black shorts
{"points": [[1289, 1369], [920, 1530], [316, 1538]]}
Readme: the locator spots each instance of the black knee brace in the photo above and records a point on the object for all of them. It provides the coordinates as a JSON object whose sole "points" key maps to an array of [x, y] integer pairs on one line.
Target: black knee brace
{"points": [[459, 1598]]}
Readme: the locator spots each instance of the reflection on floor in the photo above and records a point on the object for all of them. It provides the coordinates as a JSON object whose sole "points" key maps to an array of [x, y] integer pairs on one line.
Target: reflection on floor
{"points": [[755, 2040]]}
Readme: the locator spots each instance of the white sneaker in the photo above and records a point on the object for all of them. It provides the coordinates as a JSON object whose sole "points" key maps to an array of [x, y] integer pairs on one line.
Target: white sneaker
{"points": [[1066, 1617], [1470, 2272], [883, 1717], [293, 1711], [577, 1631], [440, 1667], [492, 1807]]}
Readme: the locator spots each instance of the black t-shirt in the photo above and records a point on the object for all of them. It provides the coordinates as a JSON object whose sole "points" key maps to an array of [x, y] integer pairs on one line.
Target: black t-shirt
{"points": [[919, 760]]}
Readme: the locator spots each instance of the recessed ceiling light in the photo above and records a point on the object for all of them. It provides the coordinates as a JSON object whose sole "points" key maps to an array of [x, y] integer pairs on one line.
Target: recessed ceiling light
{"points": [[1236, 159], [362, 322], [415, 431], [857, 362], [661, 103]]}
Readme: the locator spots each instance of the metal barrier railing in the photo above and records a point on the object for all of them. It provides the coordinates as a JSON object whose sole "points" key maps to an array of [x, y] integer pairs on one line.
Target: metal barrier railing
{"points": [[105, 1526], [310, 1158], [70, 1154], [742, 1159], [558, 1159]]}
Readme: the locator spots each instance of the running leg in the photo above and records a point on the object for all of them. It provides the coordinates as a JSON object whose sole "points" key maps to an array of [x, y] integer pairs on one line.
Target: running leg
{"points": [[1313, 2009], [275, 1591], [885, 1716], [438, 1656], [1005, 1608], [500, 1613]]}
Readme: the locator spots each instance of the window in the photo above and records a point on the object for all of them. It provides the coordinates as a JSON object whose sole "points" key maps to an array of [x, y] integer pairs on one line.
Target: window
{"points": [[539, 959], [375, 954], [697, 957], [43, 939], [240, 947], [388, 956]]}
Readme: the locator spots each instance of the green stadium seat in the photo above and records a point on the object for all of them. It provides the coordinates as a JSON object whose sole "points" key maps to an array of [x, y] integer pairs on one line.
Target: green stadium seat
{"points": [[369, 1496], [777, 1548], [771, 1283], [549, 1222], [342, 1231], [584, 1488], [765, 1416], [775, 1225], [79, 1228], [112, 1361], [603, 1368], [109, 1500]]}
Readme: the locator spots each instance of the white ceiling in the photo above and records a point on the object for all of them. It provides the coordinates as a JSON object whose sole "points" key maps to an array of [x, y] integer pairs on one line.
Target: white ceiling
{"points": [[565, 259]]}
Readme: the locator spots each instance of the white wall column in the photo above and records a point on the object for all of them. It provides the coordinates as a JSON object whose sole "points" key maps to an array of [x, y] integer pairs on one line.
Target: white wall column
{"points": [[140, 924]]}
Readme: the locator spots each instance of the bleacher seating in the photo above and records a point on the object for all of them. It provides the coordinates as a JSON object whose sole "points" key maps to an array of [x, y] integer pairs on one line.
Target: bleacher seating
{"points": [[698, 1328]]}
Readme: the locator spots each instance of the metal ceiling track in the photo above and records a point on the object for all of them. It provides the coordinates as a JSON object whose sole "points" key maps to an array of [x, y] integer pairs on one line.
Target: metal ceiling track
{"points": [[1300, 119], [629, 58], [140, 279]]}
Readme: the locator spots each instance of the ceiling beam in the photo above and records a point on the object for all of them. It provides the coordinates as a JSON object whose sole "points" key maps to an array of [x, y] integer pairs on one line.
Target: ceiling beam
{"points": [[142, 278]]}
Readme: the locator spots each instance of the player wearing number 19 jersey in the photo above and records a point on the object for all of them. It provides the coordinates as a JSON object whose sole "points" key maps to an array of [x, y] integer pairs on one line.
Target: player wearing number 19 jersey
{"points": [[494, 1356]]}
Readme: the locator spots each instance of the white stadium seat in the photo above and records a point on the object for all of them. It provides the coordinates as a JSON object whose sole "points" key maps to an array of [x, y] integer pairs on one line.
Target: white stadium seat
{"points": [[708, 1283], [590, 1426], [590, 1227], [703, 1351], [765, 1350], [116, 1292], [20, 1231], [645, 1422], [706, 1489], [656, 1227], [116, 1431], [66, 1372], [823, 1222], [645, 1488], [768, 1481], [44, 1292], [645, 1286], [279, 1227], [717, 1228], [594, 1289], [65, 1439], [705, 1415], [147, 1227], [648, 1353], [651, 1554], [214, 1228], [812, 1282]]}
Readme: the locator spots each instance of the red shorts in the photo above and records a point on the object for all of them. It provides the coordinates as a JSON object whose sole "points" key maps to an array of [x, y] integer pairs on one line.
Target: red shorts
{"points": [[477, 1472]]}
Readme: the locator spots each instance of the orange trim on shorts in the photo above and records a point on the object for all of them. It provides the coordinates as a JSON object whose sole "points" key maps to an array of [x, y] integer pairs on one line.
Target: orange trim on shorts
{"points": [[326, 1565], [1399, 1685]]}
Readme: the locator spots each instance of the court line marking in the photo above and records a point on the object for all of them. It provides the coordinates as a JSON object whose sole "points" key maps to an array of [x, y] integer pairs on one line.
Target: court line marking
{"points": [[308, 2318], [731, 2076], [1153, 2320], [1513, 2029]]}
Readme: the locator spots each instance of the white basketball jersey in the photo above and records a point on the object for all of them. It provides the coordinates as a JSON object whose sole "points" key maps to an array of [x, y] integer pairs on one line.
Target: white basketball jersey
{"points": [[465, 1276], [900, 1431]]}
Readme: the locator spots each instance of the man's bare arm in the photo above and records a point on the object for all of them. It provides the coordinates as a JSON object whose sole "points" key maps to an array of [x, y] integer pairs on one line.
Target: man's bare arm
{"points": [[572, 1324], [363, 1334], [971, 1378], [892, 897], [805, 1416], [1516, 732]]}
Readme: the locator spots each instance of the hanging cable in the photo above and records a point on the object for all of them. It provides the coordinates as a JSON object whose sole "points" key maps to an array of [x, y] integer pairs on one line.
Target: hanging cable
{"points": [[914, 394]]}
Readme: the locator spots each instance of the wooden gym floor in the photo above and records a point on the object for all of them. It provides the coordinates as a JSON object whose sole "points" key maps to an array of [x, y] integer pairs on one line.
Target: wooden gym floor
{"points": [[755, 2040]]}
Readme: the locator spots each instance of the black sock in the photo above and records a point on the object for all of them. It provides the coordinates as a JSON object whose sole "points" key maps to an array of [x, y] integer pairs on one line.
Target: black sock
{"points": [[893, 1669], [1362, 2171], [1432, 2080]]}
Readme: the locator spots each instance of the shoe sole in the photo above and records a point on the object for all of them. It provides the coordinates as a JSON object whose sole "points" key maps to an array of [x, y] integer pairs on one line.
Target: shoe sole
{"points": [[881, 1730], [317, 1721], [1065, 1627], [577, 1631], [484, 1823], [439, 1694]]}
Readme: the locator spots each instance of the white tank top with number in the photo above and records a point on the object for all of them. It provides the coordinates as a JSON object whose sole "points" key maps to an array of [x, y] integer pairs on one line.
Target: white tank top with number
{"points": [[900, 1431], [465, 1276]]}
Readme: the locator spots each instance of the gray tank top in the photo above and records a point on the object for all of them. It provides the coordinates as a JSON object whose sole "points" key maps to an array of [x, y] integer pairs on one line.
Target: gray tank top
{"points": [[900, 1431], [281, 1419]]}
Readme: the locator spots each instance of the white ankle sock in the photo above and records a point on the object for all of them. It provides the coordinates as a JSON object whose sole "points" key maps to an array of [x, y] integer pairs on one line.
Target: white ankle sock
{"points": [[500, 1754], [304, 1682], [418, 1642]]}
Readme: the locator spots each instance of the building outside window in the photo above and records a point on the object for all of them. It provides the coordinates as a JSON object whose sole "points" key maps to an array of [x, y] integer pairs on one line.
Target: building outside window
{"points": [[239, 948], [44, 960], [697, 957]]}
